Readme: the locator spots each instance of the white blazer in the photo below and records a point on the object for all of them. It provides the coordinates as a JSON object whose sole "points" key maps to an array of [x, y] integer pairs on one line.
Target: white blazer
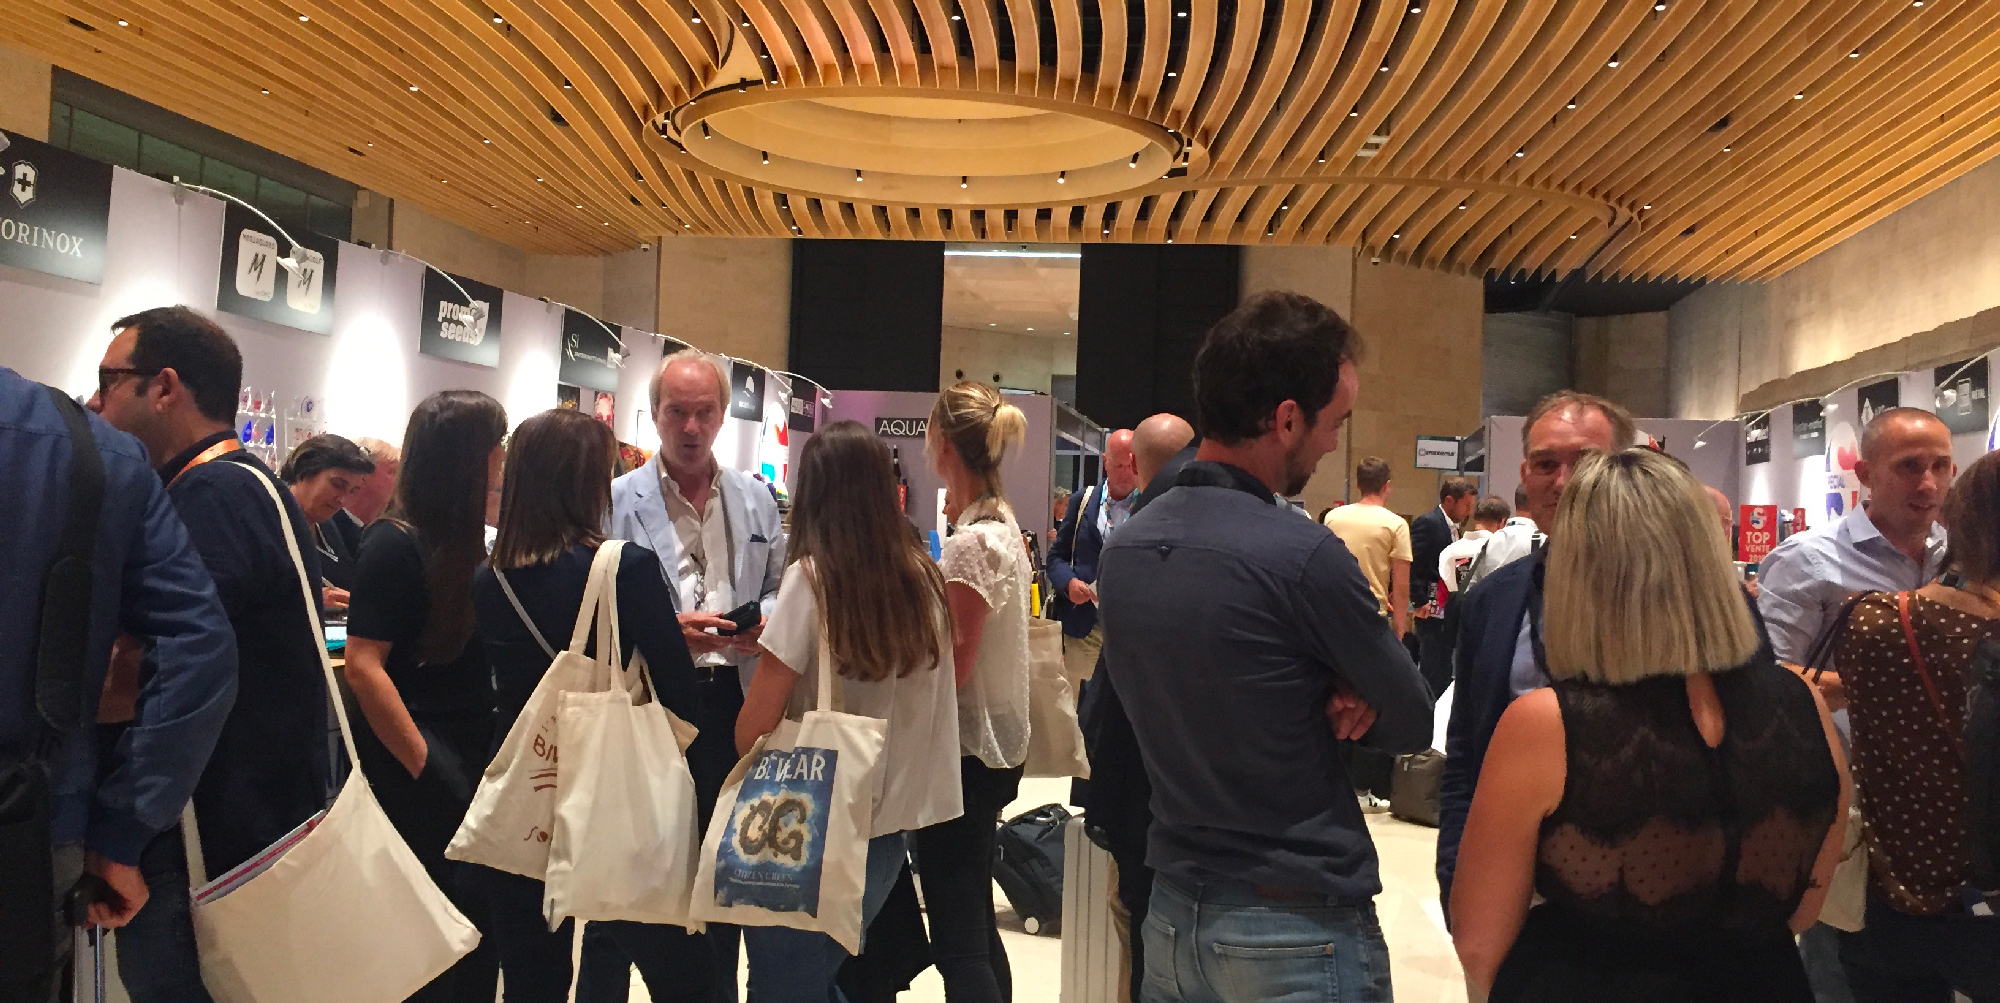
{"points": [[639, 514]]}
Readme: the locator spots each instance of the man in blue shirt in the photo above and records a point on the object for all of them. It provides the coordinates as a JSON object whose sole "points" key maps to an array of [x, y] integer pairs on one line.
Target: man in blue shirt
{"points": [[1245, 642], [1892, 544], [1495, 657], [149, 582], [172, 379], [1079, 542]]}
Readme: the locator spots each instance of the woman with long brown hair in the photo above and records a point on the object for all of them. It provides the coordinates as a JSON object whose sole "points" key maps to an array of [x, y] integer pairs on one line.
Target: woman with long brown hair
{"points": [[420, 681], [855, 568], [987, 572], [554, 501]]}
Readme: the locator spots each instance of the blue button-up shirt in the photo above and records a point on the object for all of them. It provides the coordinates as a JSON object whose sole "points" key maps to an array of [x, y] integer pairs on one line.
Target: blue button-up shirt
{"points": [[149, 582], [1805, 580]]}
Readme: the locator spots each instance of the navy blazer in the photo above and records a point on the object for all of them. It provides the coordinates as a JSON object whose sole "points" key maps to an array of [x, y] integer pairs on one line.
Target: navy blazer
{"points": [[1078, 543], [1489, 623], [1430, 533]]}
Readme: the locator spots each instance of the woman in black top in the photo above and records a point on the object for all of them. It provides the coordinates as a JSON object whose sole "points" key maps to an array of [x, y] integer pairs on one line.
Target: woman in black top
{"points": [[553, 505], [1672, 796], [416, 674], [324, 471]]}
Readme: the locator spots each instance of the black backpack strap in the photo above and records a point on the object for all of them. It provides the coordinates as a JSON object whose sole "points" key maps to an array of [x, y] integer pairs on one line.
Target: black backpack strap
{"points": [[66, 592], [1820, 655]]}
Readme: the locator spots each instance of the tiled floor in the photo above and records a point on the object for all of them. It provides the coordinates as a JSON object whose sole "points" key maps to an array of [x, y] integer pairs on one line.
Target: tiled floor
{"points": [[1420, 955]]}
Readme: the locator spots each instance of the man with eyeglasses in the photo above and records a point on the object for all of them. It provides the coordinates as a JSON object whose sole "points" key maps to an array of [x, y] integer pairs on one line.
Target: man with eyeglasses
{"points": [[170, 378]]}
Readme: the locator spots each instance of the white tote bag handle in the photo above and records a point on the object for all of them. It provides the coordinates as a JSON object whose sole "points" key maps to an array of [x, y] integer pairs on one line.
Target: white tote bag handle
{"points": [[190, 835]]}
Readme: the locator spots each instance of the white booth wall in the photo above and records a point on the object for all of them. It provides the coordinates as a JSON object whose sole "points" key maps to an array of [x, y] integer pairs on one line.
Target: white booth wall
{"points": [[366, 376], [1027, 473]]}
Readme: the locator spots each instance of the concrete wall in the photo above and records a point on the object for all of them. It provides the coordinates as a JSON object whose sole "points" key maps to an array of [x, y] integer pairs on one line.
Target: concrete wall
{"points": [[1420, 374], [24, 94], [1935, 262], [1021, 361], [1623, 358], [728, 294], [1524, 357]]}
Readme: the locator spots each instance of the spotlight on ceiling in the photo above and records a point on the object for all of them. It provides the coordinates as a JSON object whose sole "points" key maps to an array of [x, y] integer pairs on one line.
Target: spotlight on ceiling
{"points": [[1062, 177], [964, 181]]}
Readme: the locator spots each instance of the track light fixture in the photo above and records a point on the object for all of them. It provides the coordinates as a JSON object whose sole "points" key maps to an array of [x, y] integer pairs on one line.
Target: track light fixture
{"points": [[765, 154], [1062, 177]]}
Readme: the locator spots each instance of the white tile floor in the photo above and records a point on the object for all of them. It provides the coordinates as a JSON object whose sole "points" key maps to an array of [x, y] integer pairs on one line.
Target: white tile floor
{"points": [[1424, 968]]}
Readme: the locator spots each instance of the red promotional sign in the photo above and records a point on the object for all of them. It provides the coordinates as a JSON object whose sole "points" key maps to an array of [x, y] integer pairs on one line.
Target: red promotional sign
{"points": [[1798, 520], [1757, 532]]}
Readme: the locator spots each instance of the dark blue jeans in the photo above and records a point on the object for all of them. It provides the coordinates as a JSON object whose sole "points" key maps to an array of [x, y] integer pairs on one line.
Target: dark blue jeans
{"points": [[156, 952], [1900, 958], [1224, 943], [799, 966]]}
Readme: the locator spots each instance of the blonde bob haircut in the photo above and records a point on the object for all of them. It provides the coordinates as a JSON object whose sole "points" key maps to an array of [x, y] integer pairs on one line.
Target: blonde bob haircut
{"points": [[1639, 583]]}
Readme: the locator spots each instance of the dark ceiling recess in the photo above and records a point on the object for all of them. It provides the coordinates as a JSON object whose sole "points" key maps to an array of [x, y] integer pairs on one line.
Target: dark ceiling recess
{"points": [[1584, 297]]}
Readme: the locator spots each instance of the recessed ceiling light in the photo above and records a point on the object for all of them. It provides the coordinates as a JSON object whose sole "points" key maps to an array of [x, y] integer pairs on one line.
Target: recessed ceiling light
{"points": [[1649, 205], [1614, 61], [1065, 334], [579, 207], [1384, 69], [964, 180], [1170, 240], [413, 88], [1856, 54], [1284, 206], [1181, 14], [695, 19], [488, 142], [746, 24], [122, 23], [1356, 113], [1171, 73], [1521, 152], [955, 17], [1395, 236], [372, 144], [302, 17], [1572, 236], [1725, 149], [1461, 205], [766, 156], [1416, 10], [1062, 177], [1916, 3], [498, 20], [444, 181], [265, 90], [1800, 96], [857, 174], [1107, 231], [990, 324], [1572, 103], [1659, 6], [566, 86]]}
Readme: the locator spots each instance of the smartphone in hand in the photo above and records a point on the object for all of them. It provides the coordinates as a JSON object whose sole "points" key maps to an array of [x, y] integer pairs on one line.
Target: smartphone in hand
{"points": [[745, 617]]}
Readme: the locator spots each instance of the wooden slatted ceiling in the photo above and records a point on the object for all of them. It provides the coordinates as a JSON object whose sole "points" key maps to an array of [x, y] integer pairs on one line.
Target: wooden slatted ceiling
{"points": [[1733, 139]]}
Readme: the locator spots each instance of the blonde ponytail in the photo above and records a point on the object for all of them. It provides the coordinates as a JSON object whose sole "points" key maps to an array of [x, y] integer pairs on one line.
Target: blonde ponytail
{"points": [[980, 426]]}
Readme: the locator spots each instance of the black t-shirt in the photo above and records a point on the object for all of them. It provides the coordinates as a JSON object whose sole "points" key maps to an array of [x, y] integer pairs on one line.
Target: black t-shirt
{"points": [[391, 602], [552, 594], [336, 552]]}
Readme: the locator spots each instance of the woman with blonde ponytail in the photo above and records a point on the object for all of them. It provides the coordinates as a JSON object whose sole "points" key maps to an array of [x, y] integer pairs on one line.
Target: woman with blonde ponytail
{"points": [[986, 586]]}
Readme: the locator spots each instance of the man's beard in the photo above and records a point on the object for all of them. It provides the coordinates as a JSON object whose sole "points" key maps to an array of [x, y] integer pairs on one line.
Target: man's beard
{"points": [[1298, 472]]}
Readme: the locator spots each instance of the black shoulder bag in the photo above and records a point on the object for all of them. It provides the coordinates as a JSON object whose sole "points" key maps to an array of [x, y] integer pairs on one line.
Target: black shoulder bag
{"points": [[33, 934]]}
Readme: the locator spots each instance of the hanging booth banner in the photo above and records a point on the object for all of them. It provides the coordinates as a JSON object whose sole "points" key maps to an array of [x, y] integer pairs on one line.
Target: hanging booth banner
{"points": [[1757, 532], [255, 285], [1879, 397], [746, 391], [56, 214], [1961, 396], [1808, 428], [805, 412], [451, 328], [1757, 440], [590, 354]]}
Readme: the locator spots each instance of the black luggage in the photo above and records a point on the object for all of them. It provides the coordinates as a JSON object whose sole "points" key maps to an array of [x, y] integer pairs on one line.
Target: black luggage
{"points": [[1413, 793], [1028, 863]]}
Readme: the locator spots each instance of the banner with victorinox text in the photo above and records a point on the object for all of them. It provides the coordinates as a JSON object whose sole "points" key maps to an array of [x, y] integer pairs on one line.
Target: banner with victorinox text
{"points": [[56, 214], [461, 321], [256, 281], [591, 352]]}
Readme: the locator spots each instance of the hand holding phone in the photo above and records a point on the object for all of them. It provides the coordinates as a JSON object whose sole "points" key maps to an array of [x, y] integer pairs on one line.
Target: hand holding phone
{"points": [[745, 617]]}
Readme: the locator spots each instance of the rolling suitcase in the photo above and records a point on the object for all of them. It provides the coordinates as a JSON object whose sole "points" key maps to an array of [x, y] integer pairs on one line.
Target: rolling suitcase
{"points": [[1413, 791], [1094, 959], [1028, 863]]}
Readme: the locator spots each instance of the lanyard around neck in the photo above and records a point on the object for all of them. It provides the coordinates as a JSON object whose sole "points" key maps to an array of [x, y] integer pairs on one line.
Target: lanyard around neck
{"points": [[228, 445]]}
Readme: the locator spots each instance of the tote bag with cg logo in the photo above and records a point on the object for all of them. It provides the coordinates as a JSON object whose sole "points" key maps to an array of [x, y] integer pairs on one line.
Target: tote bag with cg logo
{"points": [[340, 911], [788, 844], [511, 820]]}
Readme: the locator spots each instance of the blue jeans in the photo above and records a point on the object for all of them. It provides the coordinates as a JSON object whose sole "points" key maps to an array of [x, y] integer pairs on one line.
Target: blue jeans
{"points": [[156, 951], [1223, 943], [799, 966]]}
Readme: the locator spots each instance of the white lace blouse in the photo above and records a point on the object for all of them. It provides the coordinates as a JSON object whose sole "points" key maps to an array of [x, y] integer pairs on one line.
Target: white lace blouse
{"points": [[987, 555]]}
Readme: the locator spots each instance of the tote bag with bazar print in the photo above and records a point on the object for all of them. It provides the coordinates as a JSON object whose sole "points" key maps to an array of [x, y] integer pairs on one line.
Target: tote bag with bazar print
{"points": [[511, 820], [338, 911], [788, 844]]}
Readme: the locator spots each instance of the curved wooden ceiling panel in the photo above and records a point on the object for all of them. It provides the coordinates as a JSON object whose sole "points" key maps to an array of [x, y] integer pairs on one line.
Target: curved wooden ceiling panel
{"points": [[1631, 138]]}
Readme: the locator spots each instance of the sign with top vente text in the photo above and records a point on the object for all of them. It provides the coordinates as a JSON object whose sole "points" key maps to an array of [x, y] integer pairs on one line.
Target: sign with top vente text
{"points": [[1757, 532]]}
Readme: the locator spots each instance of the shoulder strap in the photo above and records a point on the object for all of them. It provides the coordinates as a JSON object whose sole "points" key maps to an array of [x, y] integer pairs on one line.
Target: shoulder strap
{"points": [[1821, 653], [191, 840], [1952, 725], [526, 620], [66, 590], [1080, 513]]}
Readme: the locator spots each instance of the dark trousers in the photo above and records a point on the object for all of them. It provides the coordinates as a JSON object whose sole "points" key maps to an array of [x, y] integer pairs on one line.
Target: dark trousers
{"points": [[1433, 652], [1135, 893], [1899, 958], [426, 811], [611, 949], [1368, 768], [955, 866], [675, 963]]}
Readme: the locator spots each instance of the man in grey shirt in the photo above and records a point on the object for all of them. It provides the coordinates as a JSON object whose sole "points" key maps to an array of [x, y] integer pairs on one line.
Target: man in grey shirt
{"points": [[1245, 642]]}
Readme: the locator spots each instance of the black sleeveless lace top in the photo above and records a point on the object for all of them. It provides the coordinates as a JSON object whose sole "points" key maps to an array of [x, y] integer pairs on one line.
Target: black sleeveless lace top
{"points": [[1660, 836]]}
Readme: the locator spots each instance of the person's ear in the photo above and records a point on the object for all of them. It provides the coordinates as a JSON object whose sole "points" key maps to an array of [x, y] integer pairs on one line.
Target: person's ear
{"points": [[1863, 470], [165, 387]]}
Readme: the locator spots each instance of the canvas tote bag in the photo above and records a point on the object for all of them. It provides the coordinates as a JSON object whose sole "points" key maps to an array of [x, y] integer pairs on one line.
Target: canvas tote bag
{"points": [[511, 820], [340, 911], [625, 830], [788, 844], [1055, 742]]}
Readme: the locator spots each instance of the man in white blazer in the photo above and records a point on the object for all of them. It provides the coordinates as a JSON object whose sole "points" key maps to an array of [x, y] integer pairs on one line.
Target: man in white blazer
{"points": [[721, 544]]}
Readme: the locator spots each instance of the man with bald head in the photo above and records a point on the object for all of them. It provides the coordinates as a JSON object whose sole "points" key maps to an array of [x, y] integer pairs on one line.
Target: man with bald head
{"points": [[1155, 441], [1073, 558], [1891, 543]]}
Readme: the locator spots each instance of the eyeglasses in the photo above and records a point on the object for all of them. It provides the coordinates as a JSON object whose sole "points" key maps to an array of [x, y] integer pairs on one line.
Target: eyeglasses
{"points": [[106, 378]]}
